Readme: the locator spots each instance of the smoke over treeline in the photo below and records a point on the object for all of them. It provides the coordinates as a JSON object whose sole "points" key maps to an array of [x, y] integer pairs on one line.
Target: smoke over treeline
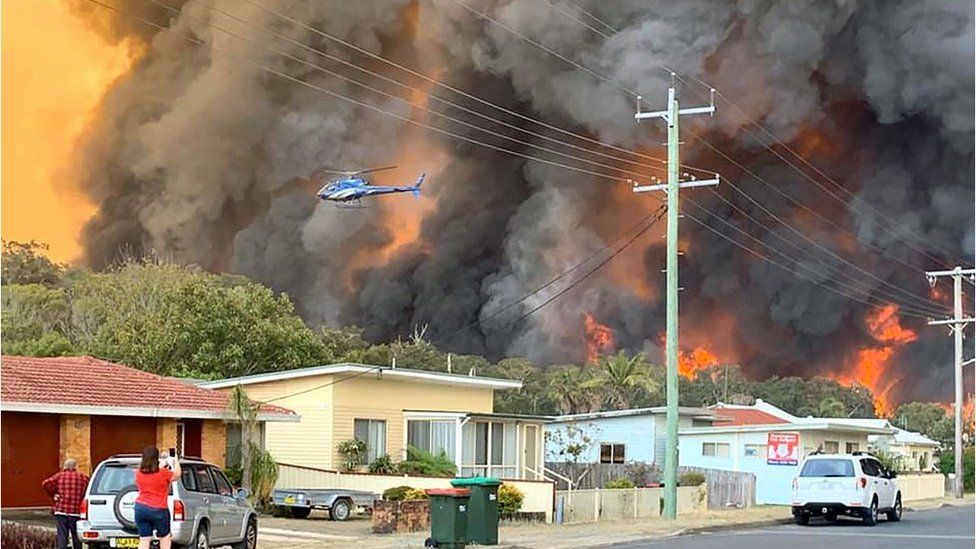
{"points": [[200, 155]]}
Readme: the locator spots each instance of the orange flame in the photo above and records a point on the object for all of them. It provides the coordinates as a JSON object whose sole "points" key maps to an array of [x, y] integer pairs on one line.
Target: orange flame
{"points": [[698, 359], [599, 338], [872, 364]]}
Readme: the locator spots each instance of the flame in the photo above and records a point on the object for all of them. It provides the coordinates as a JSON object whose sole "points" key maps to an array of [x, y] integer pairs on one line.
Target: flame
{"points": [[698, 359], [872, 365], [55, 72], [599, 338]]}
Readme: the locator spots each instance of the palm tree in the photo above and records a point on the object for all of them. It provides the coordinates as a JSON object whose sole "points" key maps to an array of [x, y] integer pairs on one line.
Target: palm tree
{"points": [[623, 378], [246, 411], [570, 388]]}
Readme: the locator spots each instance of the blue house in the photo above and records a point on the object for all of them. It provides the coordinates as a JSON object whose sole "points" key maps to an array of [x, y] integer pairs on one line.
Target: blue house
{"points": [[618, 436]]}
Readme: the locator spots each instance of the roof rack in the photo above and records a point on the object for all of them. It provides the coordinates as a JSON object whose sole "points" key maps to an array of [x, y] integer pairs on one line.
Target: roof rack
{"points": [[859, 453], [121, 456]]}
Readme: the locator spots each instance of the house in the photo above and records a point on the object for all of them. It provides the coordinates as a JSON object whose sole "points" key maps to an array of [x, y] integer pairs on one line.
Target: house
{"points": [[89, 409], [915, 452], [771, 443], [619, 436], [390, 408]]}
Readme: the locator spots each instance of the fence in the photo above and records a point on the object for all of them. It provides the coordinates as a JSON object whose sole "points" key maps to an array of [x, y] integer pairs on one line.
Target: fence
{"points": [[539, 495], [727, 488], [916, 487], [627, 503]]}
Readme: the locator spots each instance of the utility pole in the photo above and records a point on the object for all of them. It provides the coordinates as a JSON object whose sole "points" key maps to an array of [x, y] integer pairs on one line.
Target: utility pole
{"points": [[956, 324], [671, 116]]}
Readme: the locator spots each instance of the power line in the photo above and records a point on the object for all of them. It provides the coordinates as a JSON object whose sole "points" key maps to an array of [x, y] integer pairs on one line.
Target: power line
{"points": [[324, 385]]}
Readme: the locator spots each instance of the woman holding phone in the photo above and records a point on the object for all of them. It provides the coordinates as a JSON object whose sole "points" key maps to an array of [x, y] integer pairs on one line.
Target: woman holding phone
{"points": [[152, 506]]}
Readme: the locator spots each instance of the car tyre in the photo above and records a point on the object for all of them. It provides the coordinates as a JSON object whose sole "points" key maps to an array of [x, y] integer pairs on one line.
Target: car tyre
{"points": [[300, 512], [894, 515], [830, 517], [802, 520], [250, 540], [871, 513], [340, 510], [202, 540]]}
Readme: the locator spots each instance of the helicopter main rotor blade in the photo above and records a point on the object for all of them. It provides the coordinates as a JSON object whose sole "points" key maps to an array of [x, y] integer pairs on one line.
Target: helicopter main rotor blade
{"points": [[371, 170]]}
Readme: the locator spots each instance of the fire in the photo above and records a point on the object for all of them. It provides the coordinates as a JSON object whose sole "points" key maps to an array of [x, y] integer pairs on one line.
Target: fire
{"points": [[599, 338], [690, 363], [872, 366], [55, 71]]}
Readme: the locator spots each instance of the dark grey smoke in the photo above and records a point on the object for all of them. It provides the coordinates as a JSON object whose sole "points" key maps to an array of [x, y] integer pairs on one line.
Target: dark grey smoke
{"points": [[198, 155]]}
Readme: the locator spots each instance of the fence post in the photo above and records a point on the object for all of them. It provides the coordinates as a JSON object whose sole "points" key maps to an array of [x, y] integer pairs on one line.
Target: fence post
{"points": [[596, 505], [636, 495], [560, 509]]}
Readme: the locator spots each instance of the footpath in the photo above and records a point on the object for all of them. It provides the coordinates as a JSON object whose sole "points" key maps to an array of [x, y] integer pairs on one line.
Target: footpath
{"points": [[281, 533]]}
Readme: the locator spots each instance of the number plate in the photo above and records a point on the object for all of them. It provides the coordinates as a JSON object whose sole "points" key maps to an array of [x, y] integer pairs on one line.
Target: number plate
{"points": [[124, 542], [289, 499]]}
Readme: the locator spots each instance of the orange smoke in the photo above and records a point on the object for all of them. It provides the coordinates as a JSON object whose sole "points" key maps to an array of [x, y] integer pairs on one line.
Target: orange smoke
{"points": [[55, 72], [872, 367], [599, 338]]}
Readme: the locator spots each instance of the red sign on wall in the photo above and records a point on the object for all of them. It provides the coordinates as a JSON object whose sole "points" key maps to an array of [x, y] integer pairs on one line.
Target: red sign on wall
{"points": [[783, 449]]}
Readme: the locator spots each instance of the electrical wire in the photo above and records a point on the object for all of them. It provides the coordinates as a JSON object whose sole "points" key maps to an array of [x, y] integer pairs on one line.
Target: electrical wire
{"points": [[324, 385]]}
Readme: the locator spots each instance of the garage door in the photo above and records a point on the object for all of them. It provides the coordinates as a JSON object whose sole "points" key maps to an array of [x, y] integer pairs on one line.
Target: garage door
{"points": [[120, 435], [30, 455]]}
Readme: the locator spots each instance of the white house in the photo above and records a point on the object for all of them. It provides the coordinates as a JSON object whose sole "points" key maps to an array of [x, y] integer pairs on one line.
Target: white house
{"points": [[914, 451]]}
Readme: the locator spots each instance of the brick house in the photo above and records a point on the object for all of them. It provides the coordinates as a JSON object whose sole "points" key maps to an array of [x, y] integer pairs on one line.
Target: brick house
{"points": [[89, 409]]}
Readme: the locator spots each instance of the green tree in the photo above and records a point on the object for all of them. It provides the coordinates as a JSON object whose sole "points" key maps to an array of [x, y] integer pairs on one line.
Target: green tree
{"points": [[570, 387], [927, 418], [718, 384], [831, 407], [532, 398], [623, 379], [246, 412], [27, 263]]}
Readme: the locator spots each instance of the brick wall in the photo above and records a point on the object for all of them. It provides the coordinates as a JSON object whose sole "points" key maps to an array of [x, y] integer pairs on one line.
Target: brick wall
{"points": [[213, 443], [76, 441], [165, 433], [401, 516]]}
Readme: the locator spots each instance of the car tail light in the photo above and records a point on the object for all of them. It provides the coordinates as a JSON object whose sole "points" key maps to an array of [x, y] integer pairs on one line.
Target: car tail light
{"points": [[83, 510], [179, 510], [90, 535], [861, 482]]}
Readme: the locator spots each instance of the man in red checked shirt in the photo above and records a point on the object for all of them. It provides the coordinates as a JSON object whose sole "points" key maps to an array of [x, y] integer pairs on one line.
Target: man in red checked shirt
{"points": [[67, 488]]}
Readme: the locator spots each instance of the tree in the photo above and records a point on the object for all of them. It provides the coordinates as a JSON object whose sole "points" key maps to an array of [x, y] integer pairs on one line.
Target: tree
{"points": [[831, 407], [35, 319], [534, 396], [26, 263], [246, 412], [718, 384], [569, 387], [927, 418], [623, 378]]}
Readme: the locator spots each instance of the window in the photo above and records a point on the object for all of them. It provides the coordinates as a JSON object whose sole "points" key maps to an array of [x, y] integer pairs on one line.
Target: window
{"points": [[189, 481], [223, 485], [828, 468], [113, 477], [204, 482], [373, 433], [488, 449], [180, 437], [851, 447], [715, 449], [754, 450], [871, 467], [612, 453], [233, 443], [434, 436], [831, 447]]}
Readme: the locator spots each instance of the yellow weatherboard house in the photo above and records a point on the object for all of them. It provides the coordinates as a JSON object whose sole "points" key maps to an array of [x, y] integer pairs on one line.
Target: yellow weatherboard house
{"points": [[390, 408]]}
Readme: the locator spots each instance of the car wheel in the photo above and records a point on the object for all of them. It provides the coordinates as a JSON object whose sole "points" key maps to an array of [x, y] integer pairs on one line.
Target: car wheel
{"points": [[301, 512], [802, 520], [202, 539], [250, 540], [340, 510], [894, 515], [830, 517], [871, 513]]}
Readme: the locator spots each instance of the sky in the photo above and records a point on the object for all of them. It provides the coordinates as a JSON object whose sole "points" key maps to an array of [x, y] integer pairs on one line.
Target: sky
{"points": [[54, 71]]}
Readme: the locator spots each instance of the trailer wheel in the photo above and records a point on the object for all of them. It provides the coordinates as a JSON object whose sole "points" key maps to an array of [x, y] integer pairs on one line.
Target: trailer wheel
{"points": [[301, 512], [340, 510]]}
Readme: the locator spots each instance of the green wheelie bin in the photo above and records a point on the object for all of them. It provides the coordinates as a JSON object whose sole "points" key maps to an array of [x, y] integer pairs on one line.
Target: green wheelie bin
{"points": [[448, 517], [482, 509]]}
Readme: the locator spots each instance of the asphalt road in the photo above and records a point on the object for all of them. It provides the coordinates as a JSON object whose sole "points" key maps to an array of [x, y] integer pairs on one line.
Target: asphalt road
{"points": [[943, 528]]}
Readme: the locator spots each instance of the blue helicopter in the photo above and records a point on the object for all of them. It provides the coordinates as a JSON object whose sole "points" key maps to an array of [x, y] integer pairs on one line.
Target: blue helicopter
{"points": [[354, 187]]}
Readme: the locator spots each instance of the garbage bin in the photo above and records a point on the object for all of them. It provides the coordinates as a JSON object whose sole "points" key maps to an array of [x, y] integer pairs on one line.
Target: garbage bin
{"points": [[482, 509], [448, 517]]}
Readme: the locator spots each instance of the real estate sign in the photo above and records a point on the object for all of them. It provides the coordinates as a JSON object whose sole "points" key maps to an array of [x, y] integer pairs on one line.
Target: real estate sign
{"points": [[783, 448]]}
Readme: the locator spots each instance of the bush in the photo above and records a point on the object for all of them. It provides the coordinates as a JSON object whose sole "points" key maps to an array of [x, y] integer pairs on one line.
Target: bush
{"points": [[509, 499], [620, 483], [947, 465], [383, 465], [415, 493], [18, 536], [422, 462], [691, 479], [397, 493], [235, 475], [352, 452]]}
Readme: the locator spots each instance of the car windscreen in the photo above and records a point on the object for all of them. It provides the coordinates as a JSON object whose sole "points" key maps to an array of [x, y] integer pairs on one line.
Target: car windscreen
{"points": [[113, 477], [828, 468]]}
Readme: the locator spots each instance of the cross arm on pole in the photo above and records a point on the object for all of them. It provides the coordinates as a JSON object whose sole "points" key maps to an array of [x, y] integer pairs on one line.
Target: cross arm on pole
{"points": [[681, 185], [951, 321]]}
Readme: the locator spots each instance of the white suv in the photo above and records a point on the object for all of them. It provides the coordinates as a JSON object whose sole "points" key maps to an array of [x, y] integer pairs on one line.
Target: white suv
{"points": [[845, 484]]}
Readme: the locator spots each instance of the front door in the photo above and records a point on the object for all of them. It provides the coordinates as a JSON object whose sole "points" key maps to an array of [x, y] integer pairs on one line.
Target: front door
{"points": [[530, 456]]}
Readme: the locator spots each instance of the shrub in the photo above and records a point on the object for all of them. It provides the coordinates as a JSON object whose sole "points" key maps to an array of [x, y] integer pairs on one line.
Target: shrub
{"points": [[509, 499], [422, 462], [620, 483], [691, 479], [352, 452], [415, 493], [397, 493], [383, 465], [234, 474], [947, 464], [18, 536]]}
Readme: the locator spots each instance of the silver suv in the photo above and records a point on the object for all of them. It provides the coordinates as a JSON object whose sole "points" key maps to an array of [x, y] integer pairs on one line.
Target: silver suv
{"points": [[205, 509]]}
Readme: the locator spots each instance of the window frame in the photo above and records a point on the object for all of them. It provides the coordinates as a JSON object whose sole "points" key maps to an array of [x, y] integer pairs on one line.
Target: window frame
{"points": [[715, 446], [369, 423], [759, 448], [836, 449], [198, 468], [219, 476], [614, 454]]}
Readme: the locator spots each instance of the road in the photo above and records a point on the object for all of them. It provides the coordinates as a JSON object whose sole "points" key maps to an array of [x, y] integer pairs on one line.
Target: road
{"points": [[943, 528]]}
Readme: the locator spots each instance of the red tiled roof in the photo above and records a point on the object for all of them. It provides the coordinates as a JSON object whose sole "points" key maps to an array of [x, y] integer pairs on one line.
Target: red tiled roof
{"points": [[744, 416], [87, 381]]}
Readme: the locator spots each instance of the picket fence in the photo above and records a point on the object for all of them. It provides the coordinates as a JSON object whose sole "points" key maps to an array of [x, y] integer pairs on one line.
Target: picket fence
{"points": [[594, 505]]}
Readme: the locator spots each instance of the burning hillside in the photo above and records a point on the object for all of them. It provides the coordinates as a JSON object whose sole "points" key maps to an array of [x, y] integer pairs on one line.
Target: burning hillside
{"points": [[203, 152]]}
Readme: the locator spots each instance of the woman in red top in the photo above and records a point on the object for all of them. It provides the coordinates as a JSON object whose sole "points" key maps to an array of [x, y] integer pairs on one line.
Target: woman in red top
{"points": [[152, 505]]}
